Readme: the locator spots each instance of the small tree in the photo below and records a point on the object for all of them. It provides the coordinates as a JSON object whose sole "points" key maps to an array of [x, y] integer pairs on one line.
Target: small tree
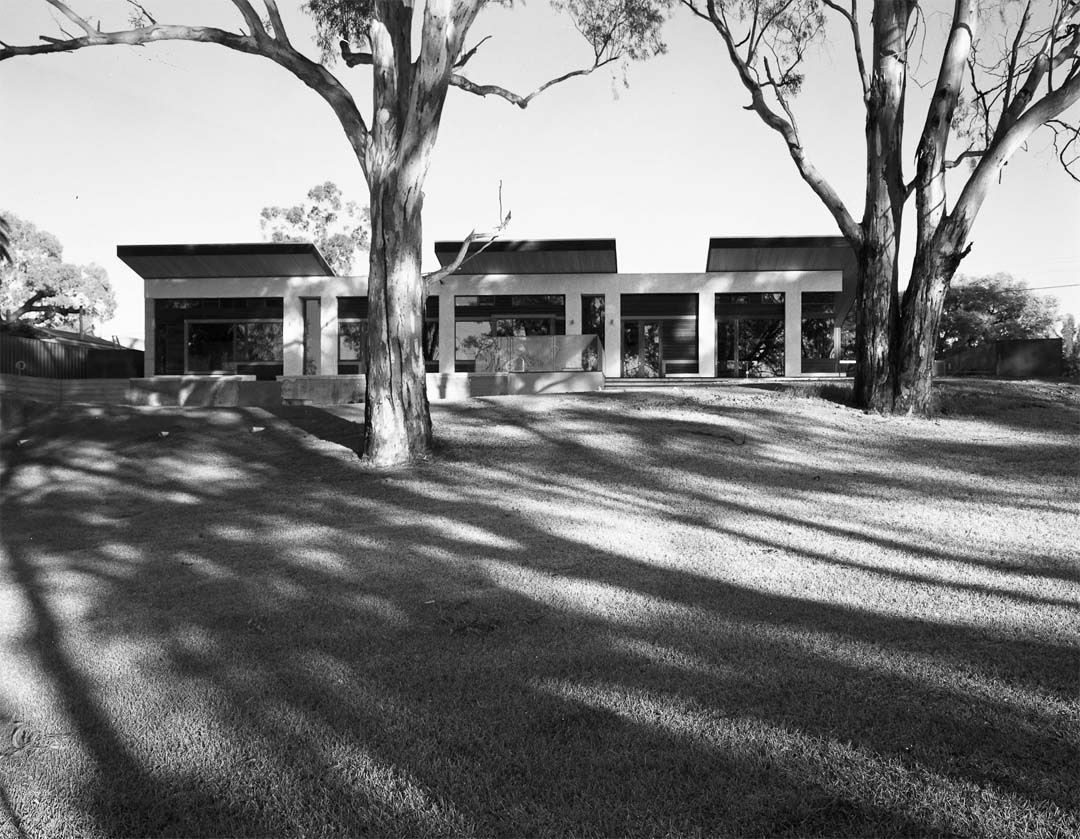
{"points": [[37, 287], [340, 229], [1070, 345], [979, 310], [989, 98], [416, 51]]}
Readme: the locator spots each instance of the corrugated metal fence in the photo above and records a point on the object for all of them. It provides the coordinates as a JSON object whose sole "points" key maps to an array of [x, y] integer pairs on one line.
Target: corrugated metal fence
{"points": [[59, 360], [106, 391]]}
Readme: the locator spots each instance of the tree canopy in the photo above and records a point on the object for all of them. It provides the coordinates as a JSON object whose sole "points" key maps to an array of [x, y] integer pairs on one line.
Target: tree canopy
{"points": [[979, 310], [340, 229], [39, 288]]}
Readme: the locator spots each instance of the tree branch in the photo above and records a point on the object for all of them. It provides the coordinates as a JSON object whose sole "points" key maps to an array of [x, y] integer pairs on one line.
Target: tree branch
{"points": [[851, 230], [351, 58], [314, 75], [275, 20], [852, 18], [70, 15], [964, 155], [463, 254], [253, 21], [142, 10], [522, 102], [461, 62]]}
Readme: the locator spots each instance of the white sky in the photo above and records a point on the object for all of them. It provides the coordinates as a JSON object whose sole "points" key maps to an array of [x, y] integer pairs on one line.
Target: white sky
{"points": [[177, 143]]}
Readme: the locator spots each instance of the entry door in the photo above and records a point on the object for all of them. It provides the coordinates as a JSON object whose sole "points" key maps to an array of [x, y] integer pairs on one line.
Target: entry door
{"points": [[642, 349], [727, 348]]}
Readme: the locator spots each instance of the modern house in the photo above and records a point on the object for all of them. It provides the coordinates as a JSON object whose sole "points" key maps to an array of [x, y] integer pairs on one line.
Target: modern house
{"points": [[538, 313]]}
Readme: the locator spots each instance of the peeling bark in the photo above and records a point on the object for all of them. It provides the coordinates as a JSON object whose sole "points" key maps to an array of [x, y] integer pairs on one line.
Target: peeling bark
{"points": [[876, 294]]}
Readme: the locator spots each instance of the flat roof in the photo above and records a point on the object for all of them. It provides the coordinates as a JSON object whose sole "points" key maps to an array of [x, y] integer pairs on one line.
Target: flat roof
{"points": [[258, 259], [534, 256], [780, 253]]}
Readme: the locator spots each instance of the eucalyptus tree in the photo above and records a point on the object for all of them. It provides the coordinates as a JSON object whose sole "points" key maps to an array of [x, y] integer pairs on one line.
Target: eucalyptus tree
{"points": [[991, 93], [415, 51]]}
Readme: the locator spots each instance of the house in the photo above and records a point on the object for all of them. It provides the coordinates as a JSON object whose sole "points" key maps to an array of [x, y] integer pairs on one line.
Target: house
{"points": [[550, 314]]}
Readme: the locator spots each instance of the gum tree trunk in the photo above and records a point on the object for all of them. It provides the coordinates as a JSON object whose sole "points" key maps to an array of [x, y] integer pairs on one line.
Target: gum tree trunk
{"points": [[409, 93], [923, 303], [876, 294], [397, 419]]}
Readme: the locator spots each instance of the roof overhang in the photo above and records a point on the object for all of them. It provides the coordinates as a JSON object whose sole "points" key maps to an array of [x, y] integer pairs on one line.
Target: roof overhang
{"points": [[534, 256], [803, 253], [260, 259]]}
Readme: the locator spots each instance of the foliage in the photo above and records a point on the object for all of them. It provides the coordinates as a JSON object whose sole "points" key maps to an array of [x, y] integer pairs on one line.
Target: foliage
{"points": [[979, 310], [337, 20], [38, 287], [340, 229], [1070, 346]]}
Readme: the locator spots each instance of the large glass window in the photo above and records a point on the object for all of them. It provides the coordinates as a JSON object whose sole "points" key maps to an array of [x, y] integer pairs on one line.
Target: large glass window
{"points": [[352, 347], [750, 334], [226, 347]]}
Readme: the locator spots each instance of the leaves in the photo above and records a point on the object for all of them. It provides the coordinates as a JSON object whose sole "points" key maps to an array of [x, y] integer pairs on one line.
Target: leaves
{"points": [[628, 29], [339, 229], [339, 19], [979, 310], [37, 286]]}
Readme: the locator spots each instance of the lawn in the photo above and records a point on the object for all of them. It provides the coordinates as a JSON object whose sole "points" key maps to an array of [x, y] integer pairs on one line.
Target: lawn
{"points": [[723, 611]]}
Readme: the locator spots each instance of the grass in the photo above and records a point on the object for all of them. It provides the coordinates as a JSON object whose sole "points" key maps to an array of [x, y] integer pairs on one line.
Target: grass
{"points": [[711, 612]]}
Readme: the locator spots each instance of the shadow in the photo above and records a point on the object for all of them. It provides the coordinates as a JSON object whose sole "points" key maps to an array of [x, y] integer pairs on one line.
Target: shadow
{"points": [[607, 614], [326, 423]]}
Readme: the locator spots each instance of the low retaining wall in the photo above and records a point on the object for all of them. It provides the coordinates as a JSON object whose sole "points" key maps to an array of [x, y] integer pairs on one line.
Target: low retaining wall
{"points": [[205, 391], [245, 391], [441, 387]]}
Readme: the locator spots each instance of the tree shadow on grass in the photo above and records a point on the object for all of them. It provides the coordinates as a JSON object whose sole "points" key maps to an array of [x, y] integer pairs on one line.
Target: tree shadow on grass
{"points": [[248, 633]]}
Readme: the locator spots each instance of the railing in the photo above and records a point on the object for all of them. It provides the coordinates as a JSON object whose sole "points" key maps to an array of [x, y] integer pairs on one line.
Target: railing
{"points": [[539, 353]]}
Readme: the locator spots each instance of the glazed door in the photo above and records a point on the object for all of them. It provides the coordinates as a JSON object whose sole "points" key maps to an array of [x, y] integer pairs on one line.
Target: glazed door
{"points": [[642, 349]]}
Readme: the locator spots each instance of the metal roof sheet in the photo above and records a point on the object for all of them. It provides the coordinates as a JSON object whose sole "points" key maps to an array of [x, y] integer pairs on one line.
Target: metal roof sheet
{"points": [[783, 253], [534, 256], [259, 259]]}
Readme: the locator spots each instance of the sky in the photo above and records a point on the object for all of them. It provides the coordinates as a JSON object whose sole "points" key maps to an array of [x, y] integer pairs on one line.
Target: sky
{"points": [[185, 143]]}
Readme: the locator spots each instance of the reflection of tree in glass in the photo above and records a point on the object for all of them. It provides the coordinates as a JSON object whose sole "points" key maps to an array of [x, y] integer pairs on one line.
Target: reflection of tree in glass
{"points": [[353, 338], [761, 347], [817, 338], [847, 336], [258, 341], [431, 340]]}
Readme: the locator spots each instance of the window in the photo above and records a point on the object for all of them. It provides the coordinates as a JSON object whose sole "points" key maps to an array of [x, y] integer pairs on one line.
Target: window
{"points": [[819, 350], [224, 346], [352, 347]]}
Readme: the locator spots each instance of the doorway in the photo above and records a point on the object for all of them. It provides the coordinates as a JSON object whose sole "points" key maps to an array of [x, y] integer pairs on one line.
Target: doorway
{"points": [[642, 349]]}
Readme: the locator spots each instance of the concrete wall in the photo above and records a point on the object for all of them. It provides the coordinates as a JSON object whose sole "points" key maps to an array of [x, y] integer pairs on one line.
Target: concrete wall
{"points": [[441, 387], [572, 286]]}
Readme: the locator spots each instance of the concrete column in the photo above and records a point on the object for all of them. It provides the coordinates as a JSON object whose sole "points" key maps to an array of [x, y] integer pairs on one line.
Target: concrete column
{"points": [[612, 335], [793, 333], [706, 335], [446, 330], [293, 325], [149, 338], [328, 334], [573, 311], [836, 343]]}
